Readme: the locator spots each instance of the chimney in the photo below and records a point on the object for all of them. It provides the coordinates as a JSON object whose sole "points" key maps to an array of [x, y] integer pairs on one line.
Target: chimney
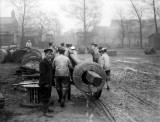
{"points": [[13, 14]]}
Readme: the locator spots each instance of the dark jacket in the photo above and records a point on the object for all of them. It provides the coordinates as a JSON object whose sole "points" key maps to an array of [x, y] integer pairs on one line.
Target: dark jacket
{"points": [[46, 73]]}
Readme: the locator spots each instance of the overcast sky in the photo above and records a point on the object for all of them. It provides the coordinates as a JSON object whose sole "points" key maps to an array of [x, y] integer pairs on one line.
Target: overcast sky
{"points": [[55, 6]]}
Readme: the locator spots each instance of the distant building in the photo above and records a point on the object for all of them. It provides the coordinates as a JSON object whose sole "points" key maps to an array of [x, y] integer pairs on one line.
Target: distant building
{"points": [[67, 39], [50, 38], [132, 30], [102, 34], [9, 30], [88, 41]]}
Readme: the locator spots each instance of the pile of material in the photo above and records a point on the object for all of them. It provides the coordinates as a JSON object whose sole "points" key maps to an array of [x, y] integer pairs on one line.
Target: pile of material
{"points": [[29, 59], [6, 54], [19, 55], [23, 70], [150, 51], [2, 110]]}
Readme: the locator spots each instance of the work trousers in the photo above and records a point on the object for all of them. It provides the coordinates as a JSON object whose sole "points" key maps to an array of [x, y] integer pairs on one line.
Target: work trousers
{"points": [[62, 82], [46, 94]]}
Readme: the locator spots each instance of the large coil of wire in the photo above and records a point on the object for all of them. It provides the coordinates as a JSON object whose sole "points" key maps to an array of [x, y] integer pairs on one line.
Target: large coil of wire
{"points": [[3, 55], [31, 53], [32, 62], [37, 52], [18, 55], [78, 76]]}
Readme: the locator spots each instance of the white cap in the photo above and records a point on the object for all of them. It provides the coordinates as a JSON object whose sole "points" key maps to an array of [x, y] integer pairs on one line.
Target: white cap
{"points": [[73, 48]]}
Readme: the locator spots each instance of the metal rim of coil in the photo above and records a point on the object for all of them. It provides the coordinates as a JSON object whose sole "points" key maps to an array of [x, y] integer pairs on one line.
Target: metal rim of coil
{"points": [[82, 68], [26, 48], [18, 55], [37, 52], [31, 54], [34, 59], [3, 54]]}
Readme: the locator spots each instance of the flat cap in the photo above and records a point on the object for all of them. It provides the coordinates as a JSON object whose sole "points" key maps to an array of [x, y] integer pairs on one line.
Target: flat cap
{"points": [[104, 49], [47, 50], [73, 48]]}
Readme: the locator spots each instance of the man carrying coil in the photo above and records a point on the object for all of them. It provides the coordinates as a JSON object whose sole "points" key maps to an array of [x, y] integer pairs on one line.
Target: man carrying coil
{"points": [[62, 66]]}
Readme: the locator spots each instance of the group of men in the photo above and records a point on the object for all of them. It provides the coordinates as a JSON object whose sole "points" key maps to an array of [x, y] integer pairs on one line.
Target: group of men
{"points": [[56, 69], [101, 57]]}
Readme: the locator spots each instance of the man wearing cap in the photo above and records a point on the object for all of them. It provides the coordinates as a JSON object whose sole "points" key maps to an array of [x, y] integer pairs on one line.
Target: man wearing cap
{"points": [[104, 61], [73, 51], [29, 44], [62, 44], [46, 79], [95, 52], [62, 66]]}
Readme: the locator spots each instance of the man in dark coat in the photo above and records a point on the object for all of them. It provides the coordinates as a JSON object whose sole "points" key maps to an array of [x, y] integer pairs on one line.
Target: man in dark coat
{"points": [[46, 79]]}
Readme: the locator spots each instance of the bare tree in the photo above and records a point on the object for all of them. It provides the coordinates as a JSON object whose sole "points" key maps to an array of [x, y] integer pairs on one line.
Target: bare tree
{"points": [[41, 23], [153, 5], [24, 8], [139, 12], [56, 26], [130, 31], [158, 12], [121, 16], [87, 12]]}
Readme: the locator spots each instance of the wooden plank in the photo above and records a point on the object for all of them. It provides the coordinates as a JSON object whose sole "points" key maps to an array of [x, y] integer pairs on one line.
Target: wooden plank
{"points": [[93, 78], [33, 75], [27, 82], [31, 86]]}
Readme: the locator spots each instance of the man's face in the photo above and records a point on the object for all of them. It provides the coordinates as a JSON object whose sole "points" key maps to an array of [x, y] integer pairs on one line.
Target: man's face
{"points": [[49, 55]]}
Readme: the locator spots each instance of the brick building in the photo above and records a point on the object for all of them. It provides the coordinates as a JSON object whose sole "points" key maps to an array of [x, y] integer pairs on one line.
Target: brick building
{"points": [[9, 30]]}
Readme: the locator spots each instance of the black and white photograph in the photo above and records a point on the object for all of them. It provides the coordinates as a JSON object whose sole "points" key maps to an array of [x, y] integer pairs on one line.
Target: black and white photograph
{"points": [[79, 60]]}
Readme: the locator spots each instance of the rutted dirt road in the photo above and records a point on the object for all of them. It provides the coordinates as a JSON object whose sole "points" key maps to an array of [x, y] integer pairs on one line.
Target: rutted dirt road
{"points": [[134, 95]]}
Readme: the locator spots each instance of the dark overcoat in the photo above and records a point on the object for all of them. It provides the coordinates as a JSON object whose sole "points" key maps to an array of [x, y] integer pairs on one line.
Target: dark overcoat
{"points": [[46, 79], [46, 73]]}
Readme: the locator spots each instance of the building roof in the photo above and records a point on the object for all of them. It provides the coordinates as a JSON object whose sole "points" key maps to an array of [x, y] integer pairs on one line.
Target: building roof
{"points": [[8, 24], [7, 20]]}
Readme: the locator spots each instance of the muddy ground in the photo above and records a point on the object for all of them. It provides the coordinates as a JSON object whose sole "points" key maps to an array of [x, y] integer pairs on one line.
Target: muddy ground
{"points": [[134, 95]]}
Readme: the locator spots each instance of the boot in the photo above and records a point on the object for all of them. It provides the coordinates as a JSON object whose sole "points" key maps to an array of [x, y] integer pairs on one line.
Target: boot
{"points": [[60, 95], [46, 110], [63, 98]]}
